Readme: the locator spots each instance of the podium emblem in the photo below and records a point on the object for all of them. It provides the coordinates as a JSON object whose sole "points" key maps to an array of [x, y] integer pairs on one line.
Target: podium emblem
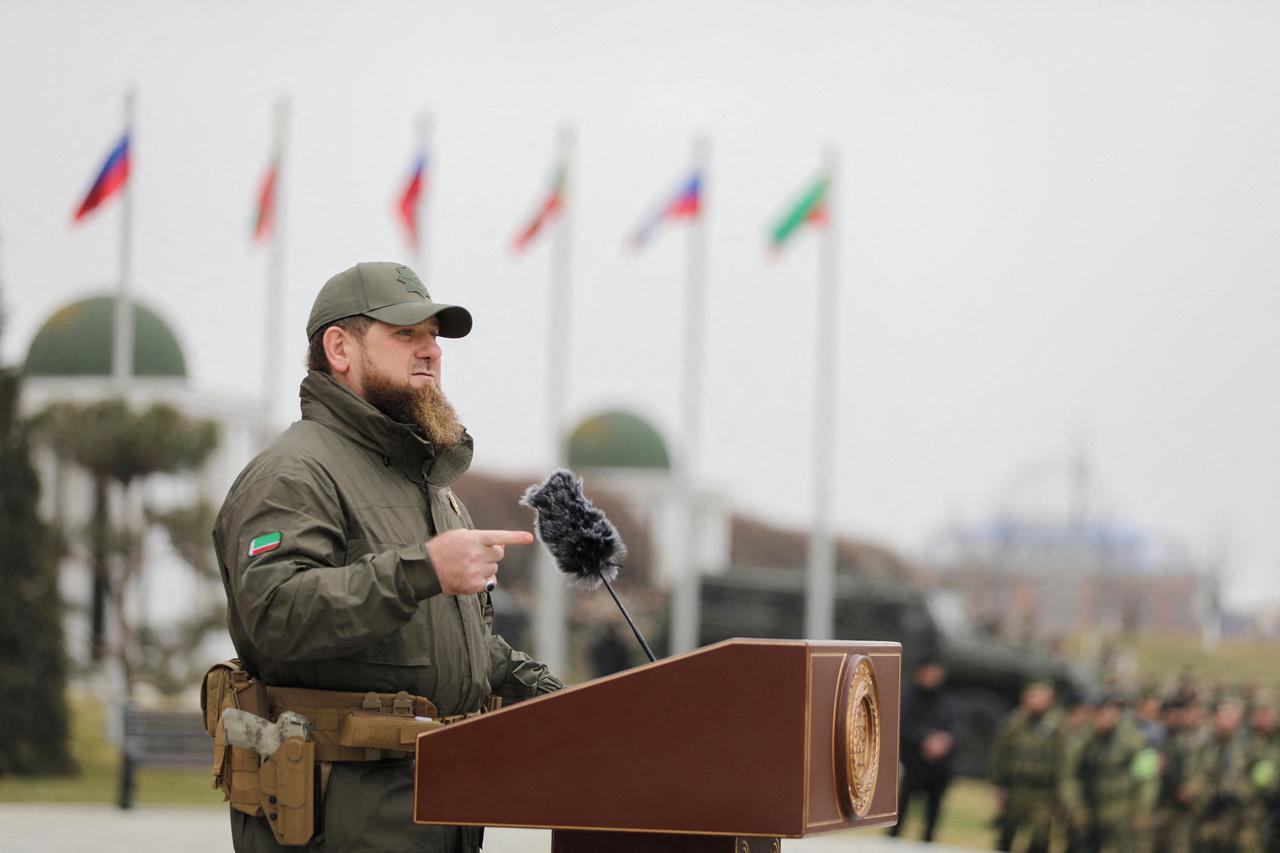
{"points": [[858, 732]]}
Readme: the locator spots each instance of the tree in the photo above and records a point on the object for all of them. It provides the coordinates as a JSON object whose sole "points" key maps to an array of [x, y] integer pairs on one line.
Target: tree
{"points": [[119, 446], [33, 667], [166, 656]]}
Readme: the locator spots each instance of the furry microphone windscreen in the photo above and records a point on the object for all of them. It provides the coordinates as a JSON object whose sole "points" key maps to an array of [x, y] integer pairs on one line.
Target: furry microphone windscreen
{"points": [[584, 544]]}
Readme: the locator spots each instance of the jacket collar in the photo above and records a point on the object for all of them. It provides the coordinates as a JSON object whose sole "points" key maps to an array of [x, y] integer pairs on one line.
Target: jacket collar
{"points": [[330, 403]]}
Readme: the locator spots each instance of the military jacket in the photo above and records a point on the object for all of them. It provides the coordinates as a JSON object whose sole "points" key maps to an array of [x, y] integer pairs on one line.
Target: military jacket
{"points": [[1111, 775], [1264, 762], [1026, 752], [1220, 777], [321, 544], [1177, 753]]}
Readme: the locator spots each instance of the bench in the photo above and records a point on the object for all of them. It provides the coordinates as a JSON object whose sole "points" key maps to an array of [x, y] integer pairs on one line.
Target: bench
{"points": [[162, 738]]}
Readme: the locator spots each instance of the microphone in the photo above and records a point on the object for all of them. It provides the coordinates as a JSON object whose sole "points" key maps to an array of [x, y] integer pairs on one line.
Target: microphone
{"points": [[583, 542]]}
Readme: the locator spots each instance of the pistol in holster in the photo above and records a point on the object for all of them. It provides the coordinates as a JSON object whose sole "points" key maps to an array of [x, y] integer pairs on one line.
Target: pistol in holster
{"points": [[300, 732]]}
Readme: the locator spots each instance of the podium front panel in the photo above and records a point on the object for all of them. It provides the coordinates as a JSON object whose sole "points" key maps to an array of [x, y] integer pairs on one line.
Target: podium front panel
{"points": [[724, 740]]}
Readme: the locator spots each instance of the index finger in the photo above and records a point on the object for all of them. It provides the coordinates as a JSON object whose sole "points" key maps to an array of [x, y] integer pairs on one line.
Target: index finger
{"points": [[505, 537]]}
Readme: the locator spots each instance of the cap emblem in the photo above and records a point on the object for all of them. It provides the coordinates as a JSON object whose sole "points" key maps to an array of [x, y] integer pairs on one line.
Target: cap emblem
{"points": [[411, 282]]}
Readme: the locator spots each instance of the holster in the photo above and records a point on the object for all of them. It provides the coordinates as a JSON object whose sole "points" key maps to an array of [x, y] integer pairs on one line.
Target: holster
{"points": [[345, 726], [287, 782], [235, 770]]}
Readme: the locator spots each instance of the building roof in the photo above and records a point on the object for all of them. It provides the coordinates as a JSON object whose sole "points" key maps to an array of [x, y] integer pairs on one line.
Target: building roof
{"points": [[617, 439], [78, 340]]}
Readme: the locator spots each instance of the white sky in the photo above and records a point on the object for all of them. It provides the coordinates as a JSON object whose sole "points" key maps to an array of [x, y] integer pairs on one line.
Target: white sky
{"points": [[1059, 219]]}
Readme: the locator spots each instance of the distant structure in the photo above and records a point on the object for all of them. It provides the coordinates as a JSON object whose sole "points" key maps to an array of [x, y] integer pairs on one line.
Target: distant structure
{"points": [[70, 360], [1045, 568], [626, 453]]}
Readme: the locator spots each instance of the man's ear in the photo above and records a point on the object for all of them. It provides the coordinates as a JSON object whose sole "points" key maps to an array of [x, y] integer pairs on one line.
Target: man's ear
{"points": [[338, 349]]}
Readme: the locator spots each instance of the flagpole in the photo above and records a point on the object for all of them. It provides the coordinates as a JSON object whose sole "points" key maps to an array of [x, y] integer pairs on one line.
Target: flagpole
{"points": [[273, 341], [550, 624], [421, 258], [685, 604], [122, 360], [820, 590]]}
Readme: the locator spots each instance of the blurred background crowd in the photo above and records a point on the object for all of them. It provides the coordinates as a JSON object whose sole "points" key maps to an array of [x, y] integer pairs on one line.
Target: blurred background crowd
{"points": [[1186, 766]]}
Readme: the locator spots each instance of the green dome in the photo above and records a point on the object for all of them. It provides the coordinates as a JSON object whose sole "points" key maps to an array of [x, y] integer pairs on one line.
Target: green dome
{"points": [[78, 341], [617, 440]]}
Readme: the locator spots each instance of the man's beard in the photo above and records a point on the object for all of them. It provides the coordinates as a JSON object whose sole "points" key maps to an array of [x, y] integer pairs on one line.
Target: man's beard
{"points": [[423, 407]]}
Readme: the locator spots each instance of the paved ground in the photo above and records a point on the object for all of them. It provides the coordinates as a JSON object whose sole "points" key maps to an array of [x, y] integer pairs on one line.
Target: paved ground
{"points": [[27, 828]]}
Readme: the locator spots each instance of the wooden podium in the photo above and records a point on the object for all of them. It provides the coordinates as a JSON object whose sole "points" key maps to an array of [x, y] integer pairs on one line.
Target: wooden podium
{"points": [[728, 748]]}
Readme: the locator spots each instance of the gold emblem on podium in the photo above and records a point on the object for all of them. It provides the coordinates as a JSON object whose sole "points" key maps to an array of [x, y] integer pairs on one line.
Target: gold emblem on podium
{"points": [[858, 733]]}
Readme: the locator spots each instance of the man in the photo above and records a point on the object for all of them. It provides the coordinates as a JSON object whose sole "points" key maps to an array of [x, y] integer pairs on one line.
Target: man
{"points": [[350, 565], [1220, 781], [1024, 769], [1147, 717], [1108, 784], [1262, 813], [1171, 825], [1077, 725], [929, 727]]}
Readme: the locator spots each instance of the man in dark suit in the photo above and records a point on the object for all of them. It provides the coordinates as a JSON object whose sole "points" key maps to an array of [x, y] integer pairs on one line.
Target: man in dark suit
{"points": [[930, 724]]}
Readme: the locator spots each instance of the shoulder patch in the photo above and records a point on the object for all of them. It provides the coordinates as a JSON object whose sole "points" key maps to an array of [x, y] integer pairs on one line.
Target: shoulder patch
{"points": [[264, 543]]}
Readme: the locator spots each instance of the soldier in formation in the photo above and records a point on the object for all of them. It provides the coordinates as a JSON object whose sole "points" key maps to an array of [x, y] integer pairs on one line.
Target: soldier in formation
{"points": [[1262, 809], [1107, 783], [1025, 762], [1110, 778]]}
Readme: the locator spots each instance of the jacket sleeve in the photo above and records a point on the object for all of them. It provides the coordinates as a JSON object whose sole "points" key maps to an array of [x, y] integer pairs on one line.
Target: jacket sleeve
{"points": [[301, 599], [1070, 792], [999, 762], [514, 675]]}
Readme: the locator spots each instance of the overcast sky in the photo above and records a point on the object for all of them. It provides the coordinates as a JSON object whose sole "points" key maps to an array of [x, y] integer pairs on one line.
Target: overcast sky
{"points": [[1059, 226]]}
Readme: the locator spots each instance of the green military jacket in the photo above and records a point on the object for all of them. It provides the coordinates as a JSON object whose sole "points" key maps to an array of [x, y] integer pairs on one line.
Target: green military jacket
{"points": [[1220, 775], [348, 599], [1264, 763], [1110, 777], [321, 544], [1026, 751]]}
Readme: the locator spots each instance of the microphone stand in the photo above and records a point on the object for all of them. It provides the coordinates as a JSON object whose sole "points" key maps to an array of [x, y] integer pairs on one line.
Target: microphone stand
{"points": [[618, 601]]}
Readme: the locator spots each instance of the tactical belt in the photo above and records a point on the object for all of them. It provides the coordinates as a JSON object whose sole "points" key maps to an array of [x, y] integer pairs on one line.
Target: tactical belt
{"points": [[345, 726]]}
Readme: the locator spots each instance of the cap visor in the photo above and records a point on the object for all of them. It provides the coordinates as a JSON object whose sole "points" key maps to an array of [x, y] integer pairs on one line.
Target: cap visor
{"points": [[455, 321]]}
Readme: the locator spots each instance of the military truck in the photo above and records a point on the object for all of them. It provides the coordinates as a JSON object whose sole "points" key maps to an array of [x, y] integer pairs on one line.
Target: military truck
{"points": [[986, 677]]}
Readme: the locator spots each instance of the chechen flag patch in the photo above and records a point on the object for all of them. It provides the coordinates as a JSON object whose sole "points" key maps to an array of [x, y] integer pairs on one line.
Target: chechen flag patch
{"points": [[264, 543]]}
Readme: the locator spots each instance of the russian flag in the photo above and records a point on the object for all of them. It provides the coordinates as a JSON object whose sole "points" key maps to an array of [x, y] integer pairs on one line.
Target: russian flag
{"points": [[547, 210], [685, 204], [408, 204], [111, 179]]}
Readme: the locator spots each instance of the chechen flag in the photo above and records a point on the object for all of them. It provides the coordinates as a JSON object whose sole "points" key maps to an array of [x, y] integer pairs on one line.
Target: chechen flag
{"points": [[550, 207], [111, 179], [686, 203], [264, 222], [809, 209], [408, 206]]}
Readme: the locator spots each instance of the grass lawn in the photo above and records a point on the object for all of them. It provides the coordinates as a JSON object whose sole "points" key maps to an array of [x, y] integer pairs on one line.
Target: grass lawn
{"points": [[966, 816], [99, 778], [1231, 662]]}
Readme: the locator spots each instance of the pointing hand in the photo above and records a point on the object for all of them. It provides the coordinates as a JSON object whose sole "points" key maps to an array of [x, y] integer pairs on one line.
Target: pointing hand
{"points": [[466, 561]]}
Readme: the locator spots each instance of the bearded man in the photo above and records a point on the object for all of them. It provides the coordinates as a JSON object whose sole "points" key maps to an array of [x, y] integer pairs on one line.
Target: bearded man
{"points": [[354, 574]]}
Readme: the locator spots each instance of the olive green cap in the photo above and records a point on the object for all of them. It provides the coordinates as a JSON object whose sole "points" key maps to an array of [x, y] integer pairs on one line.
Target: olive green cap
{"points": [[385, 291]]}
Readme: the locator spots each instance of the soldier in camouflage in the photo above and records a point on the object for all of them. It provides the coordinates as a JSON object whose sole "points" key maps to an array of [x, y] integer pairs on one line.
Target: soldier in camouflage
{"points": [[1108, 782], [1262, 811], [1076, 728], [1219, 782], [1171, 824], [1024, 769]]}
